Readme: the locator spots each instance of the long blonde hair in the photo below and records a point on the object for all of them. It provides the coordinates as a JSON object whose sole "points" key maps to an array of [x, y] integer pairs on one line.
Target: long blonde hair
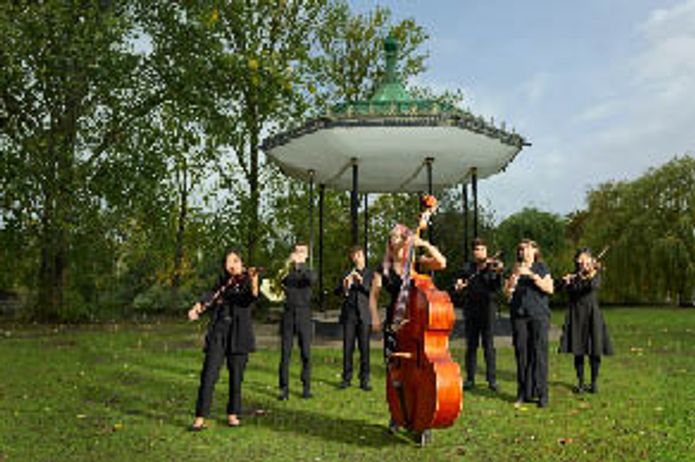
{"points": [[390, 253]]}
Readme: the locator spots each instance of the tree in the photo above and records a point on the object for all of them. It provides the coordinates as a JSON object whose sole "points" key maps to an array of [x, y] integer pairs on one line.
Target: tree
{"points": [[649, 225], [71, 88], [546, 228]]}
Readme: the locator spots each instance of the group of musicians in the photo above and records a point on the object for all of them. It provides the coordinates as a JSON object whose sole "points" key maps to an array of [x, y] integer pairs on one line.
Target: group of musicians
{"points": [[527, 287]]}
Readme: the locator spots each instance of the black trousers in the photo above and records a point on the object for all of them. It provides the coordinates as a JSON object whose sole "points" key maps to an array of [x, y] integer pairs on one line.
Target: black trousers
{"points": [[530, 336], [236, 363], [299, 323], [356, 330], [480, 326], [594, 362]]}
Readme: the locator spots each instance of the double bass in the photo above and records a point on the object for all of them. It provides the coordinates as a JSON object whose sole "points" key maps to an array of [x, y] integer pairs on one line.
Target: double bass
{"points": [[424, 388]]}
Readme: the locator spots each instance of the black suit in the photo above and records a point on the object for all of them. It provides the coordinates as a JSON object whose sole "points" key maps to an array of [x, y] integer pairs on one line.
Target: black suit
{"points": [[356, 319], [229, 335], [480, 310], [296, 318]]}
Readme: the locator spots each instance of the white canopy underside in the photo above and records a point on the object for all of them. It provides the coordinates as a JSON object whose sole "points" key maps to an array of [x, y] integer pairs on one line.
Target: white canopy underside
{"points": [[392, 159]]}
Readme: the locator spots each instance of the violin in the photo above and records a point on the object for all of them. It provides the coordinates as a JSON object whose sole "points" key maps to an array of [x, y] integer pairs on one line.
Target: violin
{"points": [[234, 280], [423, 383], [494, 263]]}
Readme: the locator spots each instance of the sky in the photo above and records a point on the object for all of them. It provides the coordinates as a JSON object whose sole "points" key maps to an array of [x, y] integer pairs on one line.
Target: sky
{"points": [[603, 89]]}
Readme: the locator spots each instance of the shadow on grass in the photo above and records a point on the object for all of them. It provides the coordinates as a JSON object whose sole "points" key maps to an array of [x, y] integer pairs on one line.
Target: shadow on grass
{"points": [[306, 422], [487, 393], [139, 394]]}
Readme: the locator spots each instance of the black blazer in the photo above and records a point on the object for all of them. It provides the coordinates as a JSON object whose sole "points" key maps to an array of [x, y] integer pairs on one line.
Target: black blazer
{"points": [[297, 285], [230, 316], [356, 299]]}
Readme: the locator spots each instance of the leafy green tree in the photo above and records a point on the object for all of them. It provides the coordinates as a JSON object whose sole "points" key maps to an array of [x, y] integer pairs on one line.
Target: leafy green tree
{"points": [[71, 89], [546, 228], [648, 224]]}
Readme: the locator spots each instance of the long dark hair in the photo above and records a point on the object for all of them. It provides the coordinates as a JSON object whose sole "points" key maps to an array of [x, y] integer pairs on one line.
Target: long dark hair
{"points": [[524, 242], [581, 250], [227, 252]]}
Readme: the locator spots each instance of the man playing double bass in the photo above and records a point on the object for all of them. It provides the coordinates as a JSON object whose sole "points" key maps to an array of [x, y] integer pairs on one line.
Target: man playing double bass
{"points": [[479, 281]]}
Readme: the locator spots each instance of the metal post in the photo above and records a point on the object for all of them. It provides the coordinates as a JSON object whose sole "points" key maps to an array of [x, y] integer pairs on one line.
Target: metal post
{"points": [[366, 227], [464, 196], [354, 203], [428, 164], [311, 219], [474, 183], [322, 301]]}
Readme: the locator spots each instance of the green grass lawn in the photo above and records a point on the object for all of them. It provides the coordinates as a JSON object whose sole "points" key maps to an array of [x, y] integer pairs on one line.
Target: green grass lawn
{"points": [[126, 392]]}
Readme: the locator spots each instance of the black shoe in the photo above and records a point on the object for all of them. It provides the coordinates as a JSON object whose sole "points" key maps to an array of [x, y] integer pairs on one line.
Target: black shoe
{"points": [[493, 386], [520, 399], [306, 394], [284, 394], [366, 386], [344, 384], [593, 388], [579, 389], [468, 385], [393, 427], [543, 401]]}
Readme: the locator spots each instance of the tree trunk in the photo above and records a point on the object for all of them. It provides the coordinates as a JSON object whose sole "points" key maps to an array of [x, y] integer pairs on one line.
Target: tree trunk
{"points": [[253, 231], [180, 231]]}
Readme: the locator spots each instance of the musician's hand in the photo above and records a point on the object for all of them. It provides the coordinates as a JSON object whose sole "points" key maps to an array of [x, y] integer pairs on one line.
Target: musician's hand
{"points": [[424, 220], [567, 278], [356, 277], [253, 271], [376, 325], [194, 313], [419, 242], [460, 284], [513, 280]]}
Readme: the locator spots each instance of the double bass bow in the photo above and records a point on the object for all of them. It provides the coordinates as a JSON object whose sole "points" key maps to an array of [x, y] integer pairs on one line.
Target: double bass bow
{"points": [[423, 381]]}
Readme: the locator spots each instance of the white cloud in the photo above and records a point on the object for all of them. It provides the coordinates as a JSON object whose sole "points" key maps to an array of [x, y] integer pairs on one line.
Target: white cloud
{"points": [[534, 89], [646, 120]]}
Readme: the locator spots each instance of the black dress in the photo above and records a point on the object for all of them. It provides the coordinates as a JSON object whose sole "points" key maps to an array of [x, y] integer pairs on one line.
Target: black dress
{"points": [[392, 282], [584, 331]]}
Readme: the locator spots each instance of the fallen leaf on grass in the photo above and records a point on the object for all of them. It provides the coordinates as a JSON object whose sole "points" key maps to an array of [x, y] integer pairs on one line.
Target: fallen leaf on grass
{"points": [[565, 440], [117, 426], [81, 416]]}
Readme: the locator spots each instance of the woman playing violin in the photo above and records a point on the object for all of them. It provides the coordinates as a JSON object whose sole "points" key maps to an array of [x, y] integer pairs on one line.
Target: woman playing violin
{"points": [[229, 335], [584, 332]]}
